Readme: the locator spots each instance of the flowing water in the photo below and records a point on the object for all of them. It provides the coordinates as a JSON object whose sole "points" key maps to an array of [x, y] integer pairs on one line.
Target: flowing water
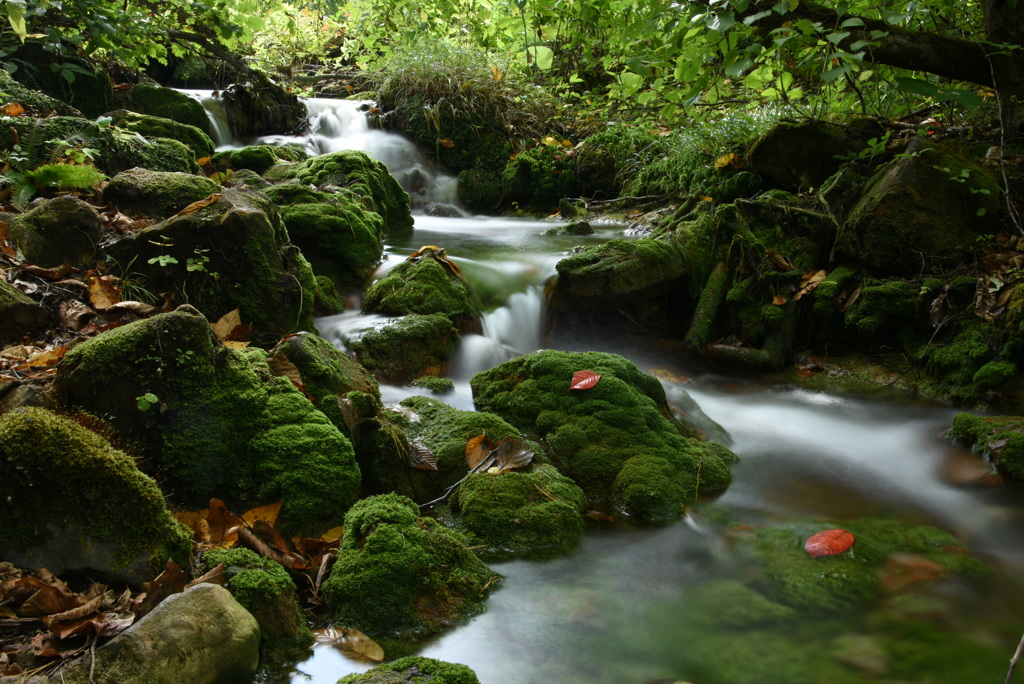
{"points": [[660, 604]]}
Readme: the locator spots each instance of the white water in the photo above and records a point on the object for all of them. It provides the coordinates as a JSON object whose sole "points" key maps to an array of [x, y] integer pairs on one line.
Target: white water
{"points": [[616, 610]]}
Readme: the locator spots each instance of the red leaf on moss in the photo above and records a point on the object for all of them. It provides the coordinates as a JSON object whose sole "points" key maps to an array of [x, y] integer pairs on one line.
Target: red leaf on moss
{"points": [[828, 543], [584, 380]]}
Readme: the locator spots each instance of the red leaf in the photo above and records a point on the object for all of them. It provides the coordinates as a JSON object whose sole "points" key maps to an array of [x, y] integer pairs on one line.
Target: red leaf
{"points": [[584, 380], [828, 543]]}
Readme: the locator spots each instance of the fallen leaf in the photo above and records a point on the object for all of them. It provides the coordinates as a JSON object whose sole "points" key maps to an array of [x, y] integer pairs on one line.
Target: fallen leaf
{"points": [[447, 142], [778, 260], [136, 308], [46, 358], [74, 314], [421, 457], [226, 323], [103, 290], [283, 368], [904, 569], [512, 453], [584, 380], [222, 523], [828, 543], [779, 300], [351, 642], [169, 582], [333, 534], [477, 449], [267, 514], [725, 160], [214, 575], [12, 108], [58, 273], [809, 282], [235, 344], [348, 414], [267, 542], [201, 204]]}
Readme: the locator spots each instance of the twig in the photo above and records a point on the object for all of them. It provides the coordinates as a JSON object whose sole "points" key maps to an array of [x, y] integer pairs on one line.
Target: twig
{"points": [[487, 462], [1010, 209], [595, 203], [543, 492], [1014, 659], [92, 660]]}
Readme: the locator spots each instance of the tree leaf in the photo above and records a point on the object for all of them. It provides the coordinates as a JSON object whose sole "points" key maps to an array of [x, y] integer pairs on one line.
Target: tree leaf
{"points": [[513, 452], [267, 514], [103, 292], [477, 449], [828, 543], [201, 204], [348, 414], [222, 524], [584, 380], [422, 458], [809, 282], [226, 323], [351, 642]]}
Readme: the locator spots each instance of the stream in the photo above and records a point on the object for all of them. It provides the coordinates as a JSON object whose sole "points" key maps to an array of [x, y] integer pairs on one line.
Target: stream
{"points": [[635, 605]]}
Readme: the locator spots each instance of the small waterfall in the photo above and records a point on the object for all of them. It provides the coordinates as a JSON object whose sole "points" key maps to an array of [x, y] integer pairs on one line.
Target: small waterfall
{"points": [[509, 331], [215, 112]]}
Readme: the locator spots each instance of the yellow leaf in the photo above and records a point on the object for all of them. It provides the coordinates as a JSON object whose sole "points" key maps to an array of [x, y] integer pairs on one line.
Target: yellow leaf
{"points": [[809, 282], [12, 109], [236, 344], [550, 141], [267, 514], [103, 293], [725, 160], [201, 204], [228, 322], [50, 357], [203, 161], [567, 143], [333, 534], [447, 142], [350, 642], [779, 300], [495, 73]]}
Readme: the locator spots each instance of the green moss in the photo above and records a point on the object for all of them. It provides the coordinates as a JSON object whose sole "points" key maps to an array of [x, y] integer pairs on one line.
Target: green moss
{"points": [[594, 434], [434, 384], [35, 101], [539, 177], [170, 104], [994, 373], [416, 668], [367, 178], [622, 269], [1000, 438], [423, 286], [399, 573], [407, 347], [341, 238], [159, 194], [328, 302], [256, 158], [267, 591], [151, 126], [521, 511], [59, 476], [479, 190], [730, 603]]}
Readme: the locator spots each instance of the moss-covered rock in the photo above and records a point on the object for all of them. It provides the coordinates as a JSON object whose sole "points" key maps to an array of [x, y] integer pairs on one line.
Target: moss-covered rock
{"points": [[539, 177], [521, 511], [574, 228], [261, 107], [256, 158], [245, 178], [399, 573], [860, 575], [341, 238], [231, 254], [267, 591], [20, 315], [73, 503], [434, 384], [479, 190], [117, 149], [413, 670], [64, 230], [150, 126], [924, 209], [801, 155], [616, 439], [999, 438], [407, 347], [422, 285], [156, 194], [221, 424], [623, 269], [168, 103], [364, 176], [34, 101]]}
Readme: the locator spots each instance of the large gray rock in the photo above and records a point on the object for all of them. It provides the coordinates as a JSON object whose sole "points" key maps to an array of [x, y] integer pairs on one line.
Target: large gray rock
{"points": [[64, 230], [201, 636], [157, 194]]}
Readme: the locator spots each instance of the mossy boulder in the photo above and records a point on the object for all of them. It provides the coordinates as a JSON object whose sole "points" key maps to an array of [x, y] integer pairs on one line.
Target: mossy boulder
{"points": [[414, 670], [539, 177], [399, 573], [117, 149], [422, 285], [620, 270], [267, 591], [479, 190], [168, 103], [518, 512], [262, 107], [861, 575], [245, 178], [222, 425], [434, 384], [574, 228], [801, 155], [341, 238], [74, 504], [256, 158], [150, 126], [925, 209], [20, 315], [33, 100], [617, 440], [364, 176], [156, 194], [231, 254], [64, 230], [999, 438], [407, 347]]}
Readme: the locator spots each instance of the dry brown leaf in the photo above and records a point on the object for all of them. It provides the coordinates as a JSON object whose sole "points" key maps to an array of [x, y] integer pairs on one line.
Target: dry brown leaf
{"points": [[779, 300], [46, 358], [477, 449], [115, 623], [236, 344], [267, 514], [214, 576], [103, 290], [778, 260], [226, 323], [513, 453], [283, 368], [809, 282], [421, 457], [351, 642], [12, 109], [266, 541], [222, 523], [201, 204], [58, 273], [74, 314], [348, 414], [140, 309], [170, 581], [333, 534]]}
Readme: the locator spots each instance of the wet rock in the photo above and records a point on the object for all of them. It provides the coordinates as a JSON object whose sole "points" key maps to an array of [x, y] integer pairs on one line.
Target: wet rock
{"points": [[20, 315], [156, 194], [341, 238], [574, 228], [623, 269], [426, 284], [246, 178], [999, 438], [262, 107], [231, 254], [264, 588], [407, 347], [168, 103], [64, 230], [434, 384], [616, 440], [925, 209], [221, 424], [412, 670], [150, 126], [201, 635], [801, 155], [75, 505], [390, 566]]}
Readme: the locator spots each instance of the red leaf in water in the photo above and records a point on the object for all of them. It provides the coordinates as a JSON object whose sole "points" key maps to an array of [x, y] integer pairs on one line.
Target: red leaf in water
{"points": [[828, 543], [584, 380]]}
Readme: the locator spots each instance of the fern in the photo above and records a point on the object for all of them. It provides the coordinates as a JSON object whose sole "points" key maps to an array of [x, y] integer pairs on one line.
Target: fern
{"points": [[27, 184]]}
